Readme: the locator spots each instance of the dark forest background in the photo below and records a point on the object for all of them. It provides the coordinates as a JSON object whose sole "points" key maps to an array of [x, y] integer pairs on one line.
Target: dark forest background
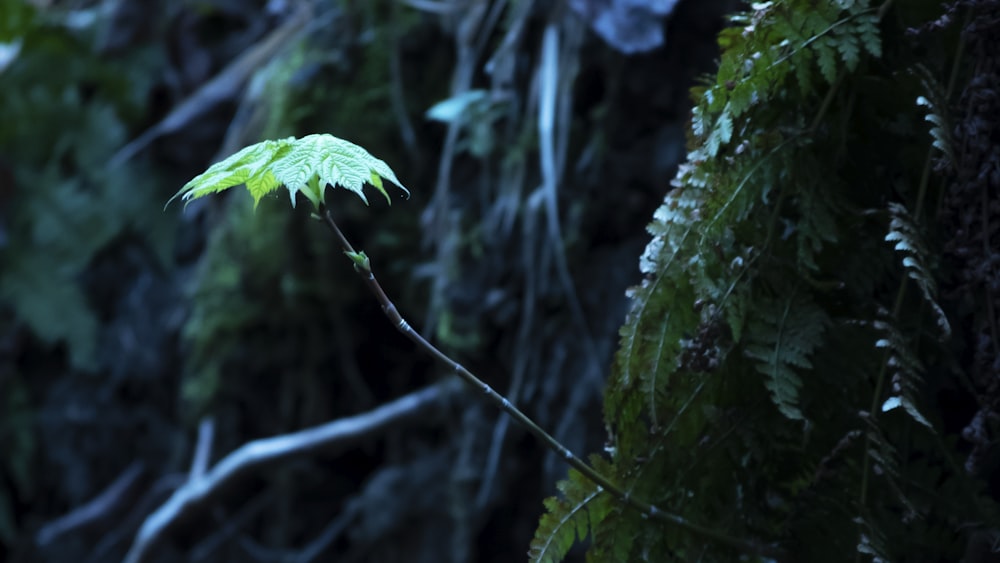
{"points": [[125, 327]]}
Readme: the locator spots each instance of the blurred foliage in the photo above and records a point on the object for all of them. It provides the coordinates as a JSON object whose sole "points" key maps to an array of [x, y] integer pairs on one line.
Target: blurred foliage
{"points": [[61, 109], [16, 19], [18, 443], [59, 130]]}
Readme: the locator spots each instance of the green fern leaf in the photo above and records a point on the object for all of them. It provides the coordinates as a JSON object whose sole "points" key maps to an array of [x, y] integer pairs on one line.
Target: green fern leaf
{"points": [[616, 539], [871, 40], [305, 165], [906, 236], [825, 48], [906, 370], [939, 129], [803, 72], [871, 542], [783, 334], [847, 45], [567, 519], [721, 134]]}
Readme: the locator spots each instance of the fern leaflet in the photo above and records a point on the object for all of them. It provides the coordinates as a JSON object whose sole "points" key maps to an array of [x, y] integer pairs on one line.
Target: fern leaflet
{"points": [[782, 335], [583, 506], [906, 370], [939, 128], [903, 231]]}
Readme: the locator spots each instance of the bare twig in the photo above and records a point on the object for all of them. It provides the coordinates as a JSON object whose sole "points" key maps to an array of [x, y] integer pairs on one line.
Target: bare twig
{"points": [[203, 449], [231, 526], [336, 434], [254, 551], [155, 494], [103, 506], [330, 533], [362, 266]]}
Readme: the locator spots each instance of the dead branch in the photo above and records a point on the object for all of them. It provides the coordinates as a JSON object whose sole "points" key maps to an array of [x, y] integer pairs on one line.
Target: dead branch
{"points": [[338, 434]]}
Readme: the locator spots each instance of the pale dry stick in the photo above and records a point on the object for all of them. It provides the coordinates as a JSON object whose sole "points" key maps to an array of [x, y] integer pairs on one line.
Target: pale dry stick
{"points": [[101, 508], [553, 98], [154, 495], [203, 449], [363, 267], [340, 433]]}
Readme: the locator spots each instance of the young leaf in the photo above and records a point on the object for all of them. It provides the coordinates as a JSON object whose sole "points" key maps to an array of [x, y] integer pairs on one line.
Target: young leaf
{"points": [[304, 165]]}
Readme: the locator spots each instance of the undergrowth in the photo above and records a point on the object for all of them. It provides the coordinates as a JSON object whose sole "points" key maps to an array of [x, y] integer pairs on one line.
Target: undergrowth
{"points": [[777, 375]]}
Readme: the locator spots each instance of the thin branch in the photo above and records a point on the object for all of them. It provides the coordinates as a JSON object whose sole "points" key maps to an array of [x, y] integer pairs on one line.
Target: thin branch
{"points": [[203, 448], [330, 533], [311, 551], [363, 268], [112, 500], [155, 494], [207, 547], [340, 434]]}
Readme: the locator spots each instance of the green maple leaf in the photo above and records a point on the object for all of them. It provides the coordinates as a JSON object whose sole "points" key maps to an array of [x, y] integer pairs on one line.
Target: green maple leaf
{"points": [[305, 165]]}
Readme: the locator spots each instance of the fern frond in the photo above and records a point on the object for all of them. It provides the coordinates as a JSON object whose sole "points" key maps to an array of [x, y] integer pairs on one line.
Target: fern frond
{"points": [[721, 133], [888, 469], [826, 57], [906, 370], [305, 165], [871, 542], [801, 36], [615, 539], [764, 272], [651, 342], [783, 334], [867, 30], [848, 46], [940, 129], [908, 242], [582, 507], [650, 338], [810, 214]]}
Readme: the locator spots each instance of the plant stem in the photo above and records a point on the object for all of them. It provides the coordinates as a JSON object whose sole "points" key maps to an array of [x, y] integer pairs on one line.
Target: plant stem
{"points": [[604, 484]]}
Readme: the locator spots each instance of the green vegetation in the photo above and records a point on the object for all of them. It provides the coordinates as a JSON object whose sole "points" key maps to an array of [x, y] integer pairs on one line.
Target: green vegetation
{"points": [[770, 393], [807, 371], [774, 375], [74, 206], [60, 208]]}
